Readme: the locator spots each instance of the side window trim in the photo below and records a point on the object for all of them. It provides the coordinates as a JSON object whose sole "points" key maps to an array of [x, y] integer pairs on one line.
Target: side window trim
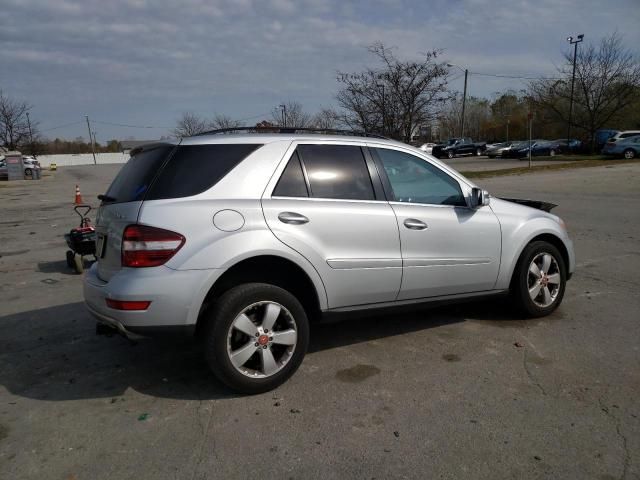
{"points": [[374, 173], [304, 171], [386, 184]]}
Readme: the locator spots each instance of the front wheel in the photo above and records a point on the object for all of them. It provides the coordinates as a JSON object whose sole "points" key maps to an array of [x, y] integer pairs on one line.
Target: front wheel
{"points": [[629, 154], [552, 153], [28, 172], [449, 154], [256, 337], [539, 280], [478, 152]]}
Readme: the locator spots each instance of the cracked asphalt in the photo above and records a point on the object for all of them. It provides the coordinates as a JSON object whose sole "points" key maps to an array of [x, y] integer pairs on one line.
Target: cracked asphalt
{"points": [[468, 391]]}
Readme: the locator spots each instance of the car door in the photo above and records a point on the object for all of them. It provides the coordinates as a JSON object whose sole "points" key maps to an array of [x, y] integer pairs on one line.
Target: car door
{"points": [[327, 206], [447, 247]]}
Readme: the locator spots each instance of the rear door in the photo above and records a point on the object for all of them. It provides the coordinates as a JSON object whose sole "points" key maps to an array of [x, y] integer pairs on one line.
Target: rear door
{"points": [[122, 203], [328, 205]]}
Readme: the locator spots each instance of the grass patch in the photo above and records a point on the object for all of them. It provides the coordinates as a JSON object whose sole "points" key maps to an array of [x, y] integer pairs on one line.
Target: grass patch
{"points": [[543, 168]]}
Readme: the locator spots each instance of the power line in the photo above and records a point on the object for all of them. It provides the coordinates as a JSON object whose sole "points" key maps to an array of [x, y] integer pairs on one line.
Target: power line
{"points": [[126, 125], [62, 126], [517, 77]]}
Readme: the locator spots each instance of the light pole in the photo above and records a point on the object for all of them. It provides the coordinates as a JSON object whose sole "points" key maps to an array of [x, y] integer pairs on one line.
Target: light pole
{"points": [[464, 95], [283, 107], [381, 85], [574, 42], [30, 136]]}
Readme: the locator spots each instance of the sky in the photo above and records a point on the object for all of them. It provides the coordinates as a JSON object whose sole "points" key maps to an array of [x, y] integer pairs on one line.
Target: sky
{"points": [[142, 63]]}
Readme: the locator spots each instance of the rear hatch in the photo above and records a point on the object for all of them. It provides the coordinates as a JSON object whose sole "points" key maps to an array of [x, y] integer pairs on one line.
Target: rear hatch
{"points": [[122, 202]]}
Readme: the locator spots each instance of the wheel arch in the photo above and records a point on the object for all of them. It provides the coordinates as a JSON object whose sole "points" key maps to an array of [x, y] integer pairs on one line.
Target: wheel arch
{"points": [[271, 269], [543, 237]]}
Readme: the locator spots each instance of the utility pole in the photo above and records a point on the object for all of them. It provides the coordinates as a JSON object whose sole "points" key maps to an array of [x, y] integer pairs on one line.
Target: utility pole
{"points": [[575, 43], [30, 136], [464, 100], [283, 107], [93, 150], [384, 117], [530, 118]]}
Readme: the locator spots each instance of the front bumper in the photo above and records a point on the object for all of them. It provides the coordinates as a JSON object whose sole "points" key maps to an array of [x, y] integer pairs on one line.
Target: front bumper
{"points": [[175, 296]]}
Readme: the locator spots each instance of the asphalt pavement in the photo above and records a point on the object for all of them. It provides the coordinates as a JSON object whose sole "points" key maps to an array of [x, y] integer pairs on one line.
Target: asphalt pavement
{"points": [[468, 391]]}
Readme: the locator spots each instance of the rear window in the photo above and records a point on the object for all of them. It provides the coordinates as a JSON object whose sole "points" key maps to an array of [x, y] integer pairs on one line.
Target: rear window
{"points": [[134, 179], [193, 169]]}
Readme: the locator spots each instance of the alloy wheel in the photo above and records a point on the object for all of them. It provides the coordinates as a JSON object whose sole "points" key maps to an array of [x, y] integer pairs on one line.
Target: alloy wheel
{"points": [[544, 279], [262, 339]]}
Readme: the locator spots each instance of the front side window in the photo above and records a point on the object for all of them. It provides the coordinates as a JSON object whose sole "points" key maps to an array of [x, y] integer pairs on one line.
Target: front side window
{"points": [[413, 180], [337, 171]]}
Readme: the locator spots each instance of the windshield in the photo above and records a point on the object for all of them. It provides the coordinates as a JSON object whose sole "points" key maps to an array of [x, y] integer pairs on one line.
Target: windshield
{"points": [[452, 141]]}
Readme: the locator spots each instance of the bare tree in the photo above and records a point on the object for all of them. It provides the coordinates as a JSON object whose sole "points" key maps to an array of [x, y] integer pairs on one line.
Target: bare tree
{"points": [[396, 98], [326, 118], [14, 125], [190, 124], [223, 121], [296, 117], [607, 83]]}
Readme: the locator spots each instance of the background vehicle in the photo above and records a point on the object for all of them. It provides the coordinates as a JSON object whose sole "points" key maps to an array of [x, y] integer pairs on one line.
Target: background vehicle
{"points": [[573, 146], [458, 146], [619, 136], [538, 148], [628, 147], [602, 136], [498, 149], [427, 147], [277, 230], [29, 166]]}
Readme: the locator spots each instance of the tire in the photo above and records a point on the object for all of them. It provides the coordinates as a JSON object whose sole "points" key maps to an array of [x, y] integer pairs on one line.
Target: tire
{"points": [[70, 259], [224, 340], [552, 153], [78, 263], [525, 279], [629, 153], [449, 154], [28, 172], [478, 152]]}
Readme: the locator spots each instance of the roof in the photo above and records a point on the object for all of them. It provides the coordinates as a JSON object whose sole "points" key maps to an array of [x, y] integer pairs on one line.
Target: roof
{"points": [[280, 137]]}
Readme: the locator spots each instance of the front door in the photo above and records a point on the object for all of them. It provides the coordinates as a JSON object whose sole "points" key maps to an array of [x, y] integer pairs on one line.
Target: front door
{"points": [[447, 247], [325, 207]]}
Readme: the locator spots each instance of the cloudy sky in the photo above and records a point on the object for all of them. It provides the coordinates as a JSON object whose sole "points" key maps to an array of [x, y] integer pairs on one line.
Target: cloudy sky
{"points": [[143, 63]]}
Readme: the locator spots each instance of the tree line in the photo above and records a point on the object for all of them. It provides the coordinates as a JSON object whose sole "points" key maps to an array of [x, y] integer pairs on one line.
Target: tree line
{"points": [[410, 100]]}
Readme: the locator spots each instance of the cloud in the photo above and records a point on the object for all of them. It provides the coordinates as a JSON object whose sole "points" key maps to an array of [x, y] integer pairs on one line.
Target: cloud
{"points": [[134, 61]]}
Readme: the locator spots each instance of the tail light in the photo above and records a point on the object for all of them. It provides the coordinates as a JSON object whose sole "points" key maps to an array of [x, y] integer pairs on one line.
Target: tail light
{"points": [[127, 305], [144, 246]]}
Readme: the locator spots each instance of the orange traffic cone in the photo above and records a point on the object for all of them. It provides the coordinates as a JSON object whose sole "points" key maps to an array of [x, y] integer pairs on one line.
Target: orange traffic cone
{"points": [[78, 199]]}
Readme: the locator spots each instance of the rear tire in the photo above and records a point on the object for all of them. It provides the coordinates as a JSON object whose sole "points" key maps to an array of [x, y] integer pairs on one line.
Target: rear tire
{"points": [[552, 153], [539, 280], [267, 322], [449, 154], [28, 172], [70, 262], [478, 152], [629, 153]]}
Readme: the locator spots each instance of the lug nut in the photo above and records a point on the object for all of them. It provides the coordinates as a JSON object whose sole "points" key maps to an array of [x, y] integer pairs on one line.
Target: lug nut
{"points": [[257, 334], [264, 347], [257, 344], [266, 330]]}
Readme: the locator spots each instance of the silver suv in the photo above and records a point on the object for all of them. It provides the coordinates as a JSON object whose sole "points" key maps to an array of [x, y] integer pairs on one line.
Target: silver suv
{"points": [[243, 239]]}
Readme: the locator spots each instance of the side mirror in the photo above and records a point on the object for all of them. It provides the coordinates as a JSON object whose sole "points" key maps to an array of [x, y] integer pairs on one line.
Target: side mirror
{"points": [[479, 198]]}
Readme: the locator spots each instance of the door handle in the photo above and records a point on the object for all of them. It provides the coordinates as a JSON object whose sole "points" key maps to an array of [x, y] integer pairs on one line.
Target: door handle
{"points": [[292, 218], [413, 224]]}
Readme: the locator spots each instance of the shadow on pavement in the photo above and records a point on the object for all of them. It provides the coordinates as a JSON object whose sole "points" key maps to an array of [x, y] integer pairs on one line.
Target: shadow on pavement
{"points": [[53, 353]]}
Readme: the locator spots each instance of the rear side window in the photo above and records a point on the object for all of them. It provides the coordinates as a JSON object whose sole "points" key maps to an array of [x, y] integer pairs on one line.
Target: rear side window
{"points": [[193, 169], [337, 171], [134, 179], [291, 183]]}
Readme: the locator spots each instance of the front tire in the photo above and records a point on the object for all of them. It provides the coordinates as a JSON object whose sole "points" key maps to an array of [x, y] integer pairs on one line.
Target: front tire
{"points": [[449, 154], [478, 152], [539, 280], [629, 153], [255, 337], [552, 153]]}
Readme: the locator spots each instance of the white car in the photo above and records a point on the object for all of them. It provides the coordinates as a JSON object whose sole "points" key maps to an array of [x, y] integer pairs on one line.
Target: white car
{"points": [[427, 147]]}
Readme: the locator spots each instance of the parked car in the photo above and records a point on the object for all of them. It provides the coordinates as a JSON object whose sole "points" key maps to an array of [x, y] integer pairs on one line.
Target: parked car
{"points": [[538, 148], [621, 136], [628, 147], [427, 147], [29, 167], [574, 145], [277, 230], [602, 136], [498, 149], [458, 146]]}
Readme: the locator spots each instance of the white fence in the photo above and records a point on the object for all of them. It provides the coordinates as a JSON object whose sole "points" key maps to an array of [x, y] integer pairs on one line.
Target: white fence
{"points": [[82, 159]]}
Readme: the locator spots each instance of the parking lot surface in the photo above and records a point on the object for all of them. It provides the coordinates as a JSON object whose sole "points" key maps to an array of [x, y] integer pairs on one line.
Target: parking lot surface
{"points": [[471, 391], [483, 163]]}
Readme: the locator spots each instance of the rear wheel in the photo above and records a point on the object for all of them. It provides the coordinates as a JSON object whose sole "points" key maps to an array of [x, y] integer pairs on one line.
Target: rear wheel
{"points": [[629, 153], [539, 280], [479, 152], [552, 153], [28, 172], [449, 154], [256, 337]]}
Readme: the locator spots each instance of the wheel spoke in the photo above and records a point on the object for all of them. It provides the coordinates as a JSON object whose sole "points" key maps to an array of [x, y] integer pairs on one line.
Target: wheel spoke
{"points": [[546, 263], [535, 291], [547, 295], [554, 278], [245, 325], [269, 364], [533, 269], [285, 337], [240, 356], [271, 314]]}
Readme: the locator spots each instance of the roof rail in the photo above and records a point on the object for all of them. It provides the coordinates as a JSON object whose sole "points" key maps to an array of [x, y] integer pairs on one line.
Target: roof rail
{"points": [[291, 130]]}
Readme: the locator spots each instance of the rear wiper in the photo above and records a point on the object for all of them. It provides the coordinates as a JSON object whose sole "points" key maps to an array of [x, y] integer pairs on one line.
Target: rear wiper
{"points": [[106, 198]]}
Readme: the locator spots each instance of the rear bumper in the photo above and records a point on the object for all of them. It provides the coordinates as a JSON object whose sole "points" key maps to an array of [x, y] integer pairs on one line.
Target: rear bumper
{"points": [[175, 296]]}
